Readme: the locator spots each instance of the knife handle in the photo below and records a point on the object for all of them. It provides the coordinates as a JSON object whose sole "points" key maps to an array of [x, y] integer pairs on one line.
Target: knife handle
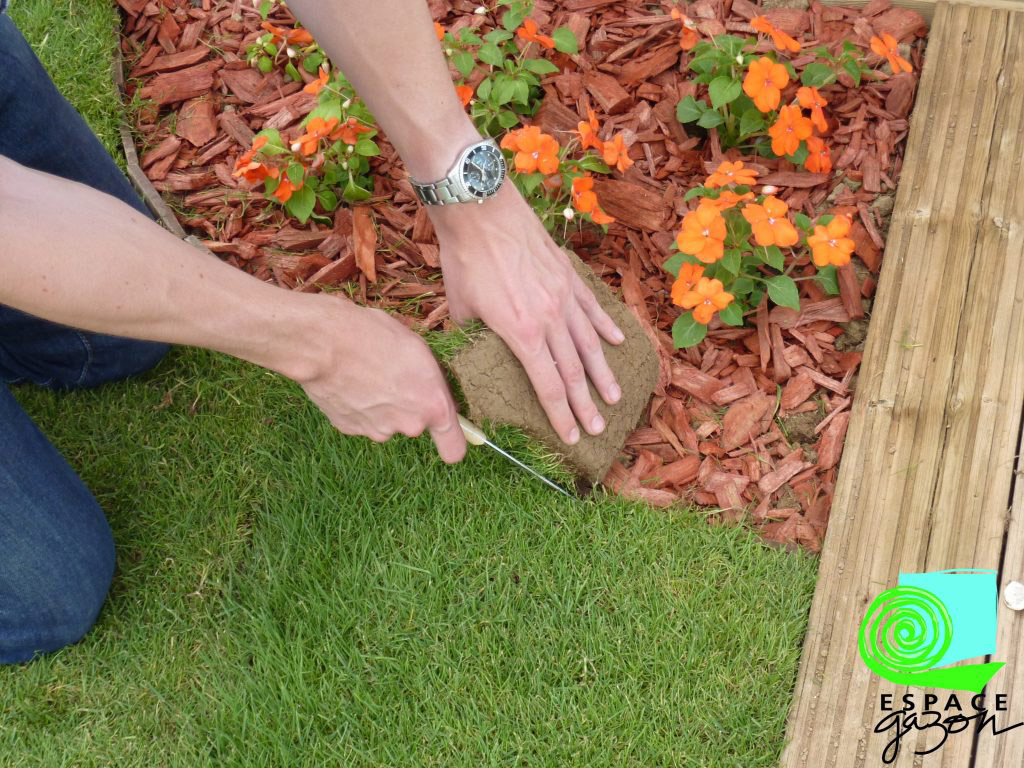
{"points": [[474, 435]]}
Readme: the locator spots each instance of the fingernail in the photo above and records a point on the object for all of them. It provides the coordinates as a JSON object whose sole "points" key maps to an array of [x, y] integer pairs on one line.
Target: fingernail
{"points": [[597, 425], [618, 336], [574, 436], [614, 393]]}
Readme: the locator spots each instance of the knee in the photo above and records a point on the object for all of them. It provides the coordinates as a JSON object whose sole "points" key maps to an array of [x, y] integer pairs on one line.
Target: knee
{"points": [[114, 359], [50, 597]]}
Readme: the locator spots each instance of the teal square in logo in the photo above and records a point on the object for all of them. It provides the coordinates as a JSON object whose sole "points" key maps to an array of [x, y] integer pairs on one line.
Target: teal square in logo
{"points": [[970, 596]]}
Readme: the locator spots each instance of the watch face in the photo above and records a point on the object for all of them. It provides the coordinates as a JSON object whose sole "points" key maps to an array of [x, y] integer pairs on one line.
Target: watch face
{"points": [[483, 171]]}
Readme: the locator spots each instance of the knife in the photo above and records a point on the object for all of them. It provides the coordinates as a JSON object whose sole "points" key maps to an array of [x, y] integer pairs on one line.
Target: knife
{"points": [[475, 436]]}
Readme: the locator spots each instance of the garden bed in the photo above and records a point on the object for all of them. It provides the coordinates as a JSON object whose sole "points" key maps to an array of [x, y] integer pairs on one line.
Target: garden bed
{"points": [[749, 422]]}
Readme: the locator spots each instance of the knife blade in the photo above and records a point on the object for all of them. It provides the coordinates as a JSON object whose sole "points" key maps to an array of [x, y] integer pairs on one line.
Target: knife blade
{"points": [[475, 436]]}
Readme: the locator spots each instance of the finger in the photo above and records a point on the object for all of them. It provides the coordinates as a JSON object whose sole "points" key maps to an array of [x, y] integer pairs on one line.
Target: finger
{"points": [[446, 432], [588, 345], [550, 389], [574, 377], [600, 319]]}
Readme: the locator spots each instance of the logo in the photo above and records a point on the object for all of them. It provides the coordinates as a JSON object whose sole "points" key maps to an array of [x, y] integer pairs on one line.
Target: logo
{"points": [[913, 632]]}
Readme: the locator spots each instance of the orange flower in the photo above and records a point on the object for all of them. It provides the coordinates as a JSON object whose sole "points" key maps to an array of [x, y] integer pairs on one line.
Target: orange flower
{"points": [[529, 33], [764, 83], [830, 244], [286, 189], [465, 93], [789, 130], [316, 130], [535, 151], [315, 86], [769, 223], [349, 131], [706, 298], [292, 36], [782, 41], [727, 199], [688, 276], [588, 132], [585, 200], [689, 37], [809, 98], [819, 159], [439, 31], [888, 47], [251, 170], [615, 154], [703, 234], [600, 217], [731, 173]]}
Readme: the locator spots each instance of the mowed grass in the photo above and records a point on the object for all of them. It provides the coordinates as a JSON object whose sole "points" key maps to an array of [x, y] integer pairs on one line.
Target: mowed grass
{"points": [[287, 596]]}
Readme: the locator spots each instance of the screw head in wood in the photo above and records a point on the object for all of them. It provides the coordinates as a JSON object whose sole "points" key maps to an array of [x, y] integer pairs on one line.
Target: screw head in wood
{"points": [[1013, 596]]}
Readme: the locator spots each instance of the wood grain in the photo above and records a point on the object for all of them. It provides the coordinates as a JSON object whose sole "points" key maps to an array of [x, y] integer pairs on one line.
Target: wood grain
{"points": [[927, 470]]}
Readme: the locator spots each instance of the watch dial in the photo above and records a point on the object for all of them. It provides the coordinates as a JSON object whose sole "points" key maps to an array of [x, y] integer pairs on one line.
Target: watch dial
{"points": [[483, 170]]}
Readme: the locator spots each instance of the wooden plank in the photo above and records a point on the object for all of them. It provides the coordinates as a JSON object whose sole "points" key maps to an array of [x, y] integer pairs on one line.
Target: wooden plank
{"points": [[927, 467], [927, 7]]}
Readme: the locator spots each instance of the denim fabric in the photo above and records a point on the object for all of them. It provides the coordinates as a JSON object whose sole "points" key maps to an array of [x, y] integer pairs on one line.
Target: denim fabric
{"points": [[56, 549], [3, 5]]}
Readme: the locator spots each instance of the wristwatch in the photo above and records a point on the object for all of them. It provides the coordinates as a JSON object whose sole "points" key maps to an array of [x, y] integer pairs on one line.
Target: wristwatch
{"points": [[478, 174]]}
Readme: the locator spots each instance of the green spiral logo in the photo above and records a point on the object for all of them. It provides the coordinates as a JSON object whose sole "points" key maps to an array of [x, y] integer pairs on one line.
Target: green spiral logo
{"points": [[906, 630]]}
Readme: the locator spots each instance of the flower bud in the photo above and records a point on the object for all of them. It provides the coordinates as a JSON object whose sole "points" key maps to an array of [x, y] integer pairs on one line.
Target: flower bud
{"points": [[350, 149], [291, 53], [296, 146], [769, 189], [480, 10], [568, 213], [346, 104], [739, 59], [344, 164]]}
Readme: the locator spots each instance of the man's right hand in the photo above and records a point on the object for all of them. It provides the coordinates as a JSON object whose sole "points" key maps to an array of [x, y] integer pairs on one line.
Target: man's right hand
{"points": [[374, 377]]}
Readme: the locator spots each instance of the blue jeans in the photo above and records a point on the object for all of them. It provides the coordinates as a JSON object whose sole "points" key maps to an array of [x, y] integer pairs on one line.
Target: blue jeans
{"points": [[56, 549]]}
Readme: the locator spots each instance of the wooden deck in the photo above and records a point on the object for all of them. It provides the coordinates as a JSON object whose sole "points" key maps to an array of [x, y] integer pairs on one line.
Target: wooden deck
{"points": [[926, 480]]}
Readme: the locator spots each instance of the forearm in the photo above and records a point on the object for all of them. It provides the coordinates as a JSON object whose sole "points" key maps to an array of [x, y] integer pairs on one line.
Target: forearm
{"points": [[71, 254], [389, 52]]}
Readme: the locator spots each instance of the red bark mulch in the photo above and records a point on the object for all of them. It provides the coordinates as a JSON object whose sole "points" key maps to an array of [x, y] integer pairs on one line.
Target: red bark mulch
{"points": [[752, 421]]}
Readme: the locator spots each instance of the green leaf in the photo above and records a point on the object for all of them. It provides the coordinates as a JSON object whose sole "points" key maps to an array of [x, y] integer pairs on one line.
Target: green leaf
{"points": [[710, 119], [723, 90], [540, 66], [687, 332], [696, 192], [741, 286], [730, 44], [490, 54], [301, 203], [292, 72], [296, 173], [330, 108], [816, 75], [531, 181], [464, 62], [854, 70], [327, 199], [354, 193], [733, 314], [672, 265], [565, 41], [497, 36], [504, 90], [312, 63], [798, 157], [783, 291], [484, 89], [507, 118], [468, 36], [689, 109], [825, 219], [751, 122], [265, 7], [803, 221], [275, 144], [828, 278], [512, 19], [522, 92], [367, 148], [772, 256], [730, 262], [591, 162]]}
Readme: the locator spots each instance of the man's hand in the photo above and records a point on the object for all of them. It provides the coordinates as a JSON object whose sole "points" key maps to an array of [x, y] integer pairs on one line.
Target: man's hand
{"points": [[501, 266], [372, 376]]}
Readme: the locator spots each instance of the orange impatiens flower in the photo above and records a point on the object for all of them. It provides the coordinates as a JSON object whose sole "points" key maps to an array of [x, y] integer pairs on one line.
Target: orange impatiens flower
{"points": [[439, 31], [688, 276], [689, 37], [286, 189], [585, 200], [764, 83], [465, 94], [769, 223], [615, 154], [819, 159], [315, 86], [727, 199], [297, 36], [830, 244], [349, 131], [731, 173], [888, 47], [588, 132], [810, 98], [252, 171], [789, 130], [529, 33], [707, 297], [317, 129], [703, 234], [781, 40], [535, 151]]}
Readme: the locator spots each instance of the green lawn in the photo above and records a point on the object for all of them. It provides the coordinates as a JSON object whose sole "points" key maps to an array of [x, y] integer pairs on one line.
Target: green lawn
{"points": [[287, 596]]}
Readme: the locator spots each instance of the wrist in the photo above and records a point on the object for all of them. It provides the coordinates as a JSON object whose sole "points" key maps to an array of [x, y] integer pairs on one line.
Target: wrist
{"points": [[431, 155]]}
